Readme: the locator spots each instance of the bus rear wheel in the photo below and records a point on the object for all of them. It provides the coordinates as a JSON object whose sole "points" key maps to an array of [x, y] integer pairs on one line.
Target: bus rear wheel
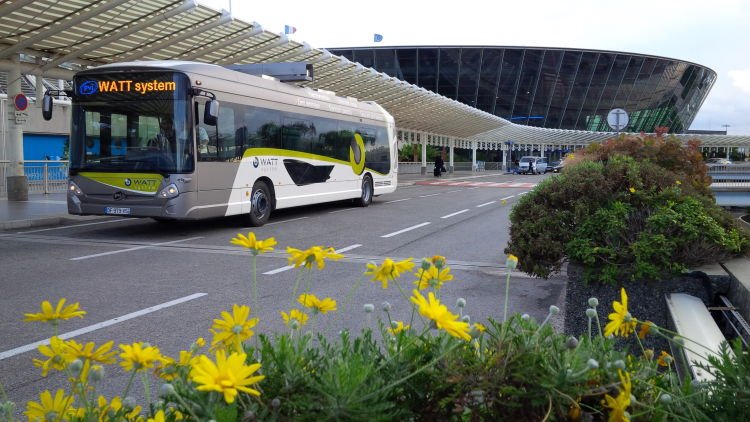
{"points": [[260, 204], [367, 191]]}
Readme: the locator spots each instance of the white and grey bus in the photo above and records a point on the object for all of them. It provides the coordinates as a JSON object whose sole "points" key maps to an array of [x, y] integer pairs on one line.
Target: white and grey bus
{"points": [[149, 139]]}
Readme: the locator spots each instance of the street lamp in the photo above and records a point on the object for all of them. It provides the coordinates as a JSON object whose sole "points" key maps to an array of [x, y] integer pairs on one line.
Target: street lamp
{"points": [[725, 126]]}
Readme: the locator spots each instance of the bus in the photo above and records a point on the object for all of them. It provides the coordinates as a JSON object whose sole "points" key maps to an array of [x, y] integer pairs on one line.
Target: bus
{"points": [[177, 140]]}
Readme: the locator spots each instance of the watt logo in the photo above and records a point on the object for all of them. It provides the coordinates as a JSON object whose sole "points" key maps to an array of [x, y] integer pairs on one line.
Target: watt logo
{"points": [[88, 88]]}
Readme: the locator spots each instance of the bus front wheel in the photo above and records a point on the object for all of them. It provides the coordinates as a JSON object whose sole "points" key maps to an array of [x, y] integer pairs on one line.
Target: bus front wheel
{"points": [[260, 204], [367, 191]]}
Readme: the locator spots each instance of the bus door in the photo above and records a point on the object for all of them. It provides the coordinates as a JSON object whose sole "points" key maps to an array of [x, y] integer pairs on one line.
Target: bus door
{"points": [[218, 163]]}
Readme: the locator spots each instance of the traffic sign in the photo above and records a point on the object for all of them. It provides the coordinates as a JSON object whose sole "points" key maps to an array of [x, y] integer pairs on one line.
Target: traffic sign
{"points": [[21, 102]]}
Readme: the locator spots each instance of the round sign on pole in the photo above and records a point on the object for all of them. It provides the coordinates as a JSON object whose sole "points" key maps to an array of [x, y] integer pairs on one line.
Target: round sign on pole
{"points": [[618, 119], [21, 102]]}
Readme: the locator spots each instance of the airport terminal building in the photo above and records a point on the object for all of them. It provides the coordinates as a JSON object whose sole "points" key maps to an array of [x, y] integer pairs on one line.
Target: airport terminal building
{"points": [[552, 88]]}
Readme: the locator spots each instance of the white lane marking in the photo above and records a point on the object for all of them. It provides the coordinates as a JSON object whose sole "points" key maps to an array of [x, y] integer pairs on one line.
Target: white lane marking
{"points": [[507, 197], [289, 267], [342, 210], [434, 194], [84, 330], [485, 204], [476, 187], [457, 190], [523, 193], [286, 221], [455, 213], [279, 270], [405, 230], [134, 249], [397, 200], [348, 248], [76, 225]]}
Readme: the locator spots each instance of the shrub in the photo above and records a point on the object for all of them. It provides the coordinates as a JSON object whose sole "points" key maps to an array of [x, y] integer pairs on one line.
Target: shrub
{"points": [[624, 217]]}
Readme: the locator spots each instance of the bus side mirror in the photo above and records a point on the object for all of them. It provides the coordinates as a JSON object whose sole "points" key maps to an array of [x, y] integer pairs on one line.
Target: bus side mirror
{"points": [[47, 107], [211, 113]]}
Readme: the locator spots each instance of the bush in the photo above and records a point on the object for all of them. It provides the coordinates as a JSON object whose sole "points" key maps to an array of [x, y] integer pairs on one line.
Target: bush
{"points": [[644, 215]]}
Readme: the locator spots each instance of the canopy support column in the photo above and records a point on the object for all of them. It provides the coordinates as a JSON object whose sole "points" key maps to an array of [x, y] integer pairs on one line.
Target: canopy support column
{"points": [[18, 185]]}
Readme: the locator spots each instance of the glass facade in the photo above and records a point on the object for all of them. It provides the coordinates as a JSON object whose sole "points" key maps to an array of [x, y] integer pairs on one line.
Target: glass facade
{"points": [[552, 88]]}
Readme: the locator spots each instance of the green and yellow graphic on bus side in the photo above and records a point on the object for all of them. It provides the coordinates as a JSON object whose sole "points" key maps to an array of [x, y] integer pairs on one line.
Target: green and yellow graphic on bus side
{"points": [[134, 182]]}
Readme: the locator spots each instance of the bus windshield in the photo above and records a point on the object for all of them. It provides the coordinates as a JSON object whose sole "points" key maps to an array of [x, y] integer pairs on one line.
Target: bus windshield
{"points": [[119, 125]]}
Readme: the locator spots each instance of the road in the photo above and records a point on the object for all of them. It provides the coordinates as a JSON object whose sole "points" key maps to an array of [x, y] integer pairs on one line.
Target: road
{"points": [[139, 280]]}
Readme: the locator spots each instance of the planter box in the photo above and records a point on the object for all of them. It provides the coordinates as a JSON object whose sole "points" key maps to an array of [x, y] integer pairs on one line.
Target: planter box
{"points": [[646, 301]]}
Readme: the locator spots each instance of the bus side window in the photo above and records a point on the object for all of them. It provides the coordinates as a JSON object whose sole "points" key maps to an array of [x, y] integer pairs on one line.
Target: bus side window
{"points": [[226, 129], [205, 136]]}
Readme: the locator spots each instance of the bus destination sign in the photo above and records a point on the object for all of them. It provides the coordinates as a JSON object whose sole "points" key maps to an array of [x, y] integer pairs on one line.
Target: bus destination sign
{"points": [[91, 87]]}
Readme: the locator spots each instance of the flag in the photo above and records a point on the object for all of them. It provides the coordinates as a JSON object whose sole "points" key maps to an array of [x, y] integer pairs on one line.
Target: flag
{"points": [[378, 38], [288, 29]]}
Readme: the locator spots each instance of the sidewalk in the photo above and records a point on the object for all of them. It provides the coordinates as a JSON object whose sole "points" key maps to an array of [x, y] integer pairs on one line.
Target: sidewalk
{"points": [[52, 209]]}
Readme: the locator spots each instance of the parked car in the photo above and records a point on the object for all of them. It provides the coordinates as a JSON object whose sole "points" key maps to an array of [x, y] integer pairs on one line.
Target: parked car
{"points": [[532, 165], [555, 166], [718, 161]]}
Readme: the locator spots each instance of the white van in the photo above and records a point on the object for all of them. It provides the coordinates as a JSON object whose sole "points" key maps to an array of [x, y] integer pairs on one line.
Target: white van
{"points": [[532, 165]]}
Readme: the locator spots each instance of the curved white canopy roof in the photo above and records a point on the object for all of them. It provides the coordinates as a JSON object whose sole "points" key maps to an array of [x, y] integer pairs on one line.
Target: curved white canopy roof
{"points": [[58, 37]]}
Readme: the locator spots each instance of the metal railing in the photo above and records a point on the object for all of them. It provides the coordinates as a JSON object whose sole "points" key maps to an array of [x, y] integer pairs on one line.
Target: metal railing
{"points": [[412, 167], [43, 176]]}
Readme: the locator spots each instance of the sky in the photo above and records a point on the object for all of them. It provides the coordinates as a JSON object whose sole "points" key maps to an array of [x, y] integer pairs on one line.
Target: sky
{"points": [[713, 33]]}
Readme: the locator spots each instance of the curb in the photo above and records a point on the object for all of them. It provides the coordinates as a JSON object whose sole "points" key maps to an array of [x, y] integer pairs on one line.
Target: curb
{"points": [[43, 221]]}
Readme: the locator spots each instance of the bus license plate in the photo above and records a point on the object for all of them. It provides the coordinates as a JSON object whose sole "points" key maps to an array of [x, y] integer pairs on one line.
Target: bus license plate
{"points": [[116, 211]]}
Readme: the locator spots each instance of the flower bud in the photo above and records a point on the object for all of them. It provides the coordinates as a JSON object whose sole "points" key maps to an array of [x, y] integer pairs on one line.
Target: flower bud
{"points": [[665, 399], [248, 416], [466, 319], [628, 317], [275, 403], [592, 364], [386, 307], [620, 364], [554, 310], [294, 324], [593, 302], [76, 366], [369, 307], [167, 389], [679, 341], [648, 354], [129, 402], [525, 317], [591, 312], [97, 373], [572, 343], [461, 303], [426, 264]]}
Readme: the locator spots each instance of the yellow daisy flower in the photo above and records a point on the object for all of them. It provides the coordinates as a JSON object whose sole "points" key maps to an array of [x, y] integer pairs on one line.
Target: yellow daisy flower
{"points": [[308, 257], [620, 321], [619, 405], [232, 329], [115, 406], [294, 315], [255, 246], [60, 311], [58, 355], [49, 408], [102, 354], [432, 308], [664, 359], [317, 305], [137, 357], [631, 189], [228, 376], [388, 270], [158, 417], [511, 262], [432, 277], [397, 327]]}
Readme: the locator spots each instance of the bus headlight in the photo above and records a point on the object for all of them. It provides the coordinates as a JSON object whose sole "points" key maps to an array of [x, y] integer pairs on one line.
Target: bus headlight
{"points": [[73, 188], [170, 191]]}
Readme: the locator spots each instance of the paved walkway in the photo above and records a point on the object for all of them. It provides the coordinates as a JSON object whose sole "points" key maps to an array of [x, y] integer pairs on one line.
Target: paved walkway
{"points": [[52, 209]]}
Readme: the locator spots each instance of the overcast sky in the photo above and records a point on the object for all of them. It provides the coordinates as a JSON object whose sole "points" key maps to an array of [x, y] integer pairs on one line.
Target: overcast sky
{"points": [[711, 33]]}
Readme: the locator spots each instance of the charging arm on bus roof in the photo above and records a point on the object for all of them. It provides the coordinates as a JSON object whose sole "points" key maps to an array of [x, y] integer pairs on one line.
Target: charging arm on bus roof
{"points": [[47, 101], [284, 71]]}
